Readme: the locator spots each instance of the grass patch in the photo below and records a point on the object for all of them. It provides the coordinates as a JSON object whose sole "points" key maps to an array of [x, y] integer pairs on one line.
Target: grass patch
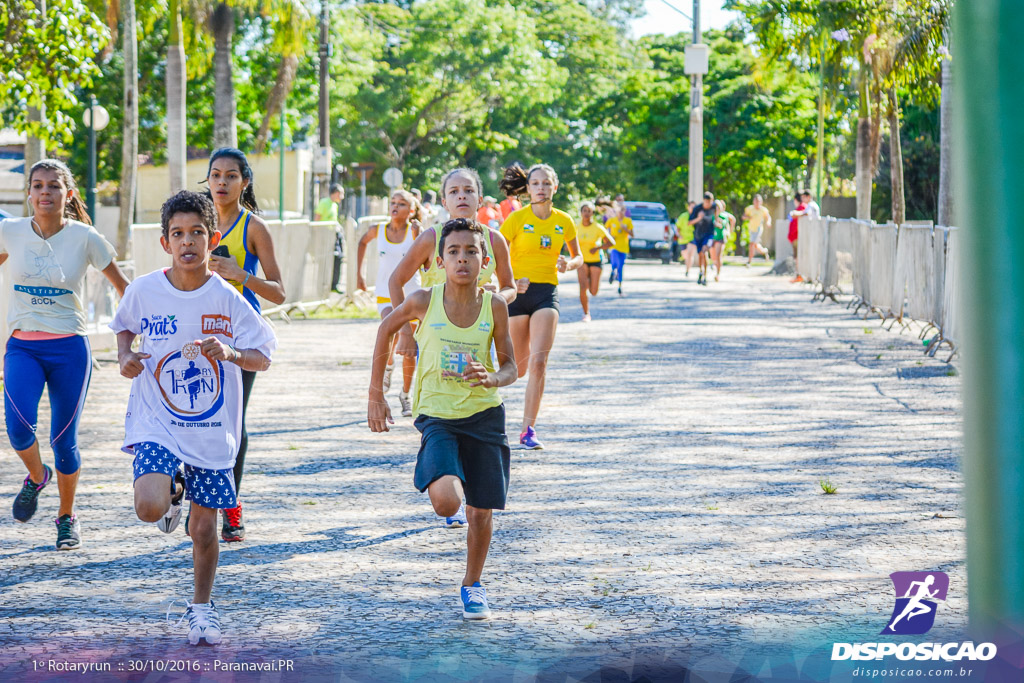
{"points": [[878, 357], [951, 372], [590, 626], [868, 330], [309, 502], [293, 447], [348, 312], [827, 486]]}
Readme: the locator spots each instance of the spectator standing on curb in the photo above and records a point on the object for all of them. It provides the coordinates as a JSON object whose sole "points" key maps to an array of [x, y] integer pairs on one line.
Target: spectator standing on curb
{"points": [[794, 230]]}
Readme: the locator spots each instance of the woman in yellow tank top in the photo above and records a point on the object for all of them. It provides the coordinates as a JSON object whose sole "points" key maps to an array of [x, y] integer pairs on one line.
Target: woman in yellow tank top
{"points": [[461, 195], [246, 242], [464, 449], [536, 234]]}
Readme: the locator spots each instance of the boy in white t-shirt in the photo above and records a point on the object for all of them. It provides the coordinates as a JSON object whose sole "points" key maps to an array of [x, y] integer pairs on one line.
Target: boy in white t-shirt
{"points": [[197, 335]]}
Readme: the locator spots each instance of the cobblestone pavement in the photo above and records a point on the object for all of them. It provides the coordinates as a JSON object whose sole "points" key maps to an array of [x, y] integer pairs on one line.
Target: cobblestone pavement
{"points": [[677, 506]]}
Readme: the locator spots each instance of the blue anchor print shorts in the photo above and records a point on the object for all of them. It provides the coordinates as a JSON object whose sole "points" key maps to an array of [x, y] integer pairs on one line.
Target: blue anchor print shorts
{"points": [[208, 488]]}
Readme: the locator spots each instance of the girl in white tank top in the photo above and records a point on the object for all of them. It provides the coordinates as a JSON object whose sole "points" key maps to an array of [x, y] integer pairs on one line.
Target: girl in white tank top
{"points": [[404, 210], [390, 254]]}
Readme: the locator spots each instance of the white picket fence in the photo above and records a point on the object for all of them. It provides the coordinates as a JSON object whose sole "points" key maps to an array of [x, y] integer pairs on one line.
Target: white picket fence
{"points": [[897, 272]]}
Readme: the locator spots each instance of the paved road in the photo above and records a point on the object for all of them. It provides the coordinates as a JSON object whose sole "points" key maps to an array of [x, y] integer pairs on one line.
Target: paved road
{"points": [[677, 507]]}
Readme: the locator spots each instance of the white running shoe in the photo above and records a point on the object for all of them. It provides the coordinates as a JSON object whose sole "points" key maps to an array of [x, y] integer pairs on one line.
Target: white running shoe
{"points": [[387, 377], [169, 522], [458, 520], [203, 624], [403, 398]]}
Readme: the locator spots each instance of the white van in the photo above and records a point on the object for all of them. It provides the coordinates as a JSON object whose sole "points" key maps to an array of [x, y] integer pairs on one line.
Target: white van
{"points": [[652, 231]]}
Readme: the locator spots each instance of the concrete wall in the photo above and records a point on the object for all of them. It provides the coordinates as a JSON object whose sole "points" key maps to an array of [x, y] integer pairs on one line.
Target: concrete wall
{"points": [[155, 182]]}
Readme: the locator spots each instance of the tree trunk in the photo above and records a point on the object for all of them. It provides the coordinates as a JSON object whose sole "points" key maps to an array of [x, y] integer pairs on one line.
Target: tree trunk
{"points": [[130, 131], [35, 148], [222, 25], [899, 202], [864, 174], [175, 99], [286, 70], [945, 146]]}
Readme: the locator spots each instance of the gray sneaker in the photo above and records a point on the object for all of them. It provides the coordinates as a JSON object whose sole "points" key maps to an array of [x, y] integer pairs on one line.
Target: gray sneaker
{"points": [[69, 532], [403, 398]]}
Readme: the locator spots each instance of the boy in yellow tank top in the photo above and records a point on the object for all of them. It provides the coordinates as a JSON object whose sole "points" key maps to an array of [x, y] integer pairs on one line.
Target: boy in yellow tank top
{"points": [[464, 449]]}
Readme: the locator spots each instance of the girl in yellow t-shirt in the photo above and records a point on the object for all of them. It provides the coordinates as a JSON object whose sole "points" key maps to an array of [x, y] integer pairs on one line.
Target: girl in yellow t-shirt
{"points": [[536, 235], [593, 239], [621, 229]]}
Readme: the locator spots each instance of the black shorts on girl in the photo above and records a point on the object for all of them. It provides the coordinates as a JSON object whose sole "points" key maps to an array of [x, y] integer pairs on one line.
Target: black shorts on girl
{"points": [[474, 449], [537, 296], [592, 264]]}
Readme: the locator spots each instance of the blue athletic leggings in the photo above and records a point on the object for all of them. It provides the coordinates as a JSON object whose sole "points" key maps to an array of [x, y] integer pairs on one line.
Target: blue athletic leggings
{"points": [[618, 259], [64, 366]]}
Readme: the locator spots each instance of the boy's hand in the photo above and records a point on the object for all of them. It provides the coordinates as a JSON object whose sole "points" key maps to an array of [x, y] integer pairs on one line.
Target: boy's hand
{"points": [[594, 250], [562, 263], [490, 287], [477, 376], [522, 284], [406, 345], [378, 415], [212, 348], [131, 364]]}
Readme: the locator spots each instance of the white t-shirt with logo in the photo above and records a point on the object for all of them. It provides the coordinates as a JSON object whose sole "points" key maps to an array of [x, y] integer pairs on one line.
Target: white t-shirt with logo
{"points": [[48, 276], [184, 401]]}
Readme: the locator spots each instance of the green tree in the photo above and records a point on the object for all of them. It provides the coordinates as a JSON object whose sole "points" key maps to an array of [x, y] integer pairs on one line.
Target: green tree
{"points": [[44, 60]]}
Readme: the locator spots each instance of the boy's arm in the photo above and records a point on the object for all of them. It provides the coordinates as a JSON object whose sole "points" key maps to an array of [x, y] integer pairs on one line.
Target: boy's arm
{"points": [[475, 373], [252, 360], [378, 413], [507, 371], [130, 361]]}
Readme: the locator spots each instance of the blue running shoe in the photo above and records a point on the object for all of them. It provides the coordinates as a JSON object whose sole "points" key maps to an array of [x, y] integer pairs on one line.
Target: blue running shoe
{"points": [[528, 440], [458, 520], [28, 498], [474, 602]]}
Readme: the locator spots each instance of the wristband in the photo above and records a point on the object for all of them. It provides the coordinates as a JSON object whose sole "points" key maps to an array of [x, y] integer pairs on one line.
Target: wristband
{"points": [[247, 276], [234, 354]]}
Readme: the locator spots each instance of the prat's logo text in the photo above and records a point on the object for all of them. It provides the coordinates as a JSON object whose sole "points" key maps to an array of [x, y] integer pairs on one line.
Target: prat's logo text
{"points": [[217, 324], [159, 326]]}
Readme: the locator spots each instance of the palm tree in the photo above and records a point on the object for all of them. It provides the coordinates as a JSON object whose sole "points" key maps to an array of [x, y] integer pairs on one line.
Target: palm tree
{"points": [[175, 98], [225, 122], [130, 128]]}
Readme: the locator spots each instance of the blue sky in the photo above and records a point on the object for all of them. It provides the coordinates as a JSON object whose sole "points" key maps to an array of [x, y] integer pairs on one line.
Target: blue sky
{"points": [[662, 19]]}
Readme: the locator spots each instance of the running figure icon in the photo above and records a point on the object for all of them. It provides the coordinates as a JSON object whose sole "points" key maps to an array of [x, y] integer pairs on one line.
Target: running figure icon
{"points": [[917, 594]]}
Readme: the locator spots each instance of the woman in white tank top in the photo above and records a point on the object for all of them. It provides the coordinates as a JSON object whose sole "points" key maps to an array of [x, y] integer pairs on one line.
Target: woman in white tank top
{"points": [[393, 241]]}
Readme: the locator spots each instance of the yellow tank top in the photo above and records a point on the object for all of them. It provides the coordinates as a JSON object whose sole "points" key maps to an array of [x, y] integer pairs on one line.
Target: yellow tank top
{"points": [[434, 276], [444, 352], [236, 239]]}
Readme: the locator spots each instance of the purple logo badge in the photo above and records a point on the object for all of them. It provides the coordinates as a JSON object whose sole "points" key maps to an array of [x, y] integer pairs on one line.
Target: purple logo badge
{"points": [[917, 594]]}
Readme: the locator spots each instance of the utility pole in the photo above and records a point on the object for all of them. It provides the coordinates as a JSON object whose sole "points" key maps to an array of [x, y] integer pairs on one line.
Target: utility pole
{"points": [[323, 163], [696, 189]]}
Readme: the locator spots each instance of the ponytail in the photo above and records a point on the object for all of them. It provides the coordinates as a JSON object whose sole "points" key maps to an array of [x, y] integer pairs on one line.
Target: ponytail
{"points": [[248, 198], [74, 208], [515, 180]]}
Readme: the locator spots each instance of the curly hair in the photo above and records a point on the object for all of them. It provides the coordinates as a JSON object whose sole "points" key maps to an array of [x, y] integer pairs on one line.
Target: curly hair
{"points": [[459, 225], [187, 201]]}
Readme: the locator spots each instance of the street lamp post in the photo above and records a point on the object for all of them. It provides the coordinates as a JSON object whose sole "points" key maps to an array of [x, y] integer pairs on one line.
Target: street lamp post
{"points": [[95, 118]]}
